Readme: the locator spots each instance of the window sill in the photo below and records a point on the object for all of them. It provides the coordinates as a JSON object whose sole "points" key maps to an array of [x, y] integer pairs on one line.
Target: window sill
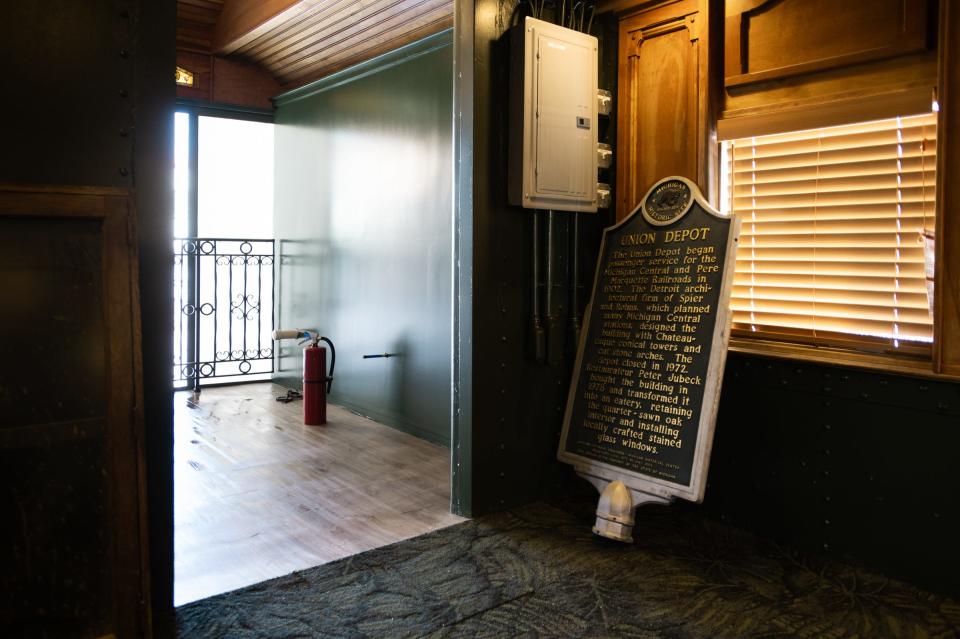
{"points": [[839, 357]]}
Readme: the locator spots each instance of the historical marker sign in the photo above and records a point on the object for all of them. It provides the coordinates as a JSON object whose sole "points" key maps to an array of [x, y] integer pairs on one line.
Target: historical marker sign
{"points": [[647, 378]]}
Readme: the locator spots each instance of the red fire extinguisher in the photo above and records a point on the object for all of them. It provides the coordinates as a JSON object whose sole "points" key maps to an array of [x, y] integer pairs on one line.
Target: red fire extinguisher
{"points": [[316, 381]]}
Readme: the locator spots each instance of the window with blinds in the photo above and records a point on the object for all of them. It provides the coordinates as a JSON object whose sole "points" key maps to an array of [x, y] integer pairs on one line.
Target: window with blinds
{"points": [[835, 222]]}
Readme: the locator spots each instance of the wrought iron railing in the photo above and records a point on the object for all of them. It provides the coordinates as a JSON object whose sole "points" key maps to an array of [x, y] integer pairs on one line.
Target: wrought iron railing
{"points": [[224, 294]]}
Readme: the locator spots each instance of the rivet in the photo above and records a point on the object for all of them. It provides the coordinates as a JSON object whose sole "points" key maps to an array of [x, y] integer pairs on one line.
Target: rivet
{"points": [[504, 309], [501, 473], [826, 426], [503, 338], [826, 546], [827, 498], [826, 522], [943, 405], [123, 172], [503, 446], [124, 53]]}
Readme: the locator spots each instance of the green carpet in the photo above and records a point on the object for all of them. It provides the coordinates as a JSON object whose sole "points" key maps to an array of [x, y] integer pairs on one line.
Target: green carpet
{"points": [[537, 571]]}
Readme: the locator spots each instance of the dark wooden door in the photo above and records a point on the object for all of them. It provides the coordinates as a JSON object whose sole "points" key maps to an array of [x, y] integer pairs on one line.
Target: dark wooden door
{"points": [[73, 555]]}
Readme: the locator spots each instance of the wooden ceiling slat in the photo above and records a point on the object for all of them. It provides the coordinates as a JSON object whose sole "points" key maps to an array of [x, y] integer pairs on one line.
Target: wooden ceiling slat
{"points": [[318, 35], [377, 19], [195, 21], [294, 31], [363, 39], [365, 35], [305, 40], [242, 21], [213, 5], [361, 55]]}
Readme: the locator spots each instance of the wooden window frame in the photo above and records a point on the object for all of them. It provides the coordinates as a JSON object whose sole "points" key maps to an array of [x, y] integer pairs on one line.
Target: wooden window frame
{"points": [[944, 363], [846, 138], [946, 327]]}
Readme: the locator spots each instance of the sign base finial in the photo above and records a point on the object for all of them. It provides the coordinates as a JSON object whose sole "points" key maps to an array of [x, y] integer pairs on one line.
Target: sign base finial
{"points": [[615, 513]]}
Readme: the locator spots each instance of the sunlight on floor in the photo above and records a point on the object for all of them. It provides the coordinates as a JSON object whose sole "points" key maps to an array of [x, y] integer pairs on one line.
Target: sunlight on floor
{"points": [[259, 495]]}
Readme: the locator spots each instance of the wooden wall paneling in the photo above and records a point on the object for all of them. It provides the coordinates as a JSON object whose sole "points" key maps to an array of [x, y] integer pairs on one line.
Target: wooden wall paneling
{"points": [[241, 82], [227, 81], [869, 91], [201, 66], [772, 39], [664, 123], [79, 559], [947, 286]]}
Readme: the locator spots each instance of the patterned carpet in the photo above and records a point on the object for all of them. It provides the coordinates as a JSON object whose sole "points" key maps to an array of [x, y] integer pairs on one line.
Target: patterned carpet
{"points": [[538, 572]]}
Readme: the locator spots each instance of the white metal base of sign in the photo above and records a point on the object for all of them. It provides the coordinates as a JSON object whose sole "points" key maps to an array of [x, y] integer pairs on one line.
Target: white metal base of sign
{"points": [[615, 518]]}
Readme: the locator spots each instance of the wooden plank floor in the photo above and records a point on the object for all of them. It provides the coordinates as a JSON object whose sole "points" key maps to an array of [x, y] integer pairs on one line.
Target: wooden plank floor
{"points": [[259, 495]]}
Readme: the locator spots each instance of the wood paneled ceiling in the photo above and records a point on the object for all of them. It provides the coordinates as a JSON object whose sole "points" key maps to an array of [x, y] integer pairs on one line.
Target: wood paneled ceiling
{"points": [[298, 41], [196, 20]]}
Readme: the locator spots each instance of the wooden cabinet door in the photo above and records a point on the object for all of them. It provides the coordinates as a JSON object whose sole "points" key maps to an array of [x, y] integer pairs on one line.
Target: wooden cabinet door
{"points": [[663, 125], [73, 555]]}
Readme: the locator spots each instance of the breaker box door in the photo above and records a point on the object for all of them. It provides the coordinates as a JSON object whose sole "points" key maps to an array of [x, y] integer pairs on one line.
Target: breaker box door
{"points": [[553, 118]]}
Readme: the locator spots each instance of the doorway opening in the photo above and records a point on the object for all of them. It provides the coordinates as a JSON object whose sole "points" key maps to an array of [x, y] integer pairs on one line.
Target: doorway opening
{"points": [[257, 494], [223, 250]]}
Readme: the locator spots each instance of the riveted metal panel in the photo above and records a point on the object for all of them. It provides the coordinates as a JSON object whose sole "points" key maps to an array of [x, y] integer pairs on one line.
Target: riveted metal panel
{"points": [[849, 462]]}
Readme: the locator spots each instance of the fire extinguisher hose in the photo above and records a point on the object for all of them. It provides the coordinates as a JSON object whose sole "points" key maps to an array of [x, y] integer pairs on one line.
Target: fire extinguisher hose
{"points": [[333, 360]]}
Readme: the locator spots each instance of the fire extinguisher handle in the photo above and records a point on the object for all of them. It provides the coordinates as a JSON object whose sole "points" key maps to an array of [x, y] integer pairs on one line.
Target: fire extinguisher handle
{"points": [[333, 360]]}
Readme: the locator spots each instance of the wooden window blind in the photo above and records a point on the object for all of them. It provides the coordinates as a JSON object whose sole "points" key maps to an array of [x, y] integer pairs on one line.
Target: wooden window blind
{"points": [[832, 241]]}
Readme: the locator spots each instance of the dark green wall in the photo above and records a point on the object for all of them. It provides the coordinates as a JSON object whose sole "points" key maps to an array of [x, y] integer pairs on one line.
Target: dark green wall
{"points": [[850, 462], [516, 405], [89, 101], [363, 217]]}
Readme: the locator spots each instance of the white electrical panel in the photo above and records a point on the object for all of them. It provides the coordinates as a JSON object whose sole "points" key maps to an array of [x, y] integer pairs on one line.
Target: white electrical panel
{"points": [[553, 118]]}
